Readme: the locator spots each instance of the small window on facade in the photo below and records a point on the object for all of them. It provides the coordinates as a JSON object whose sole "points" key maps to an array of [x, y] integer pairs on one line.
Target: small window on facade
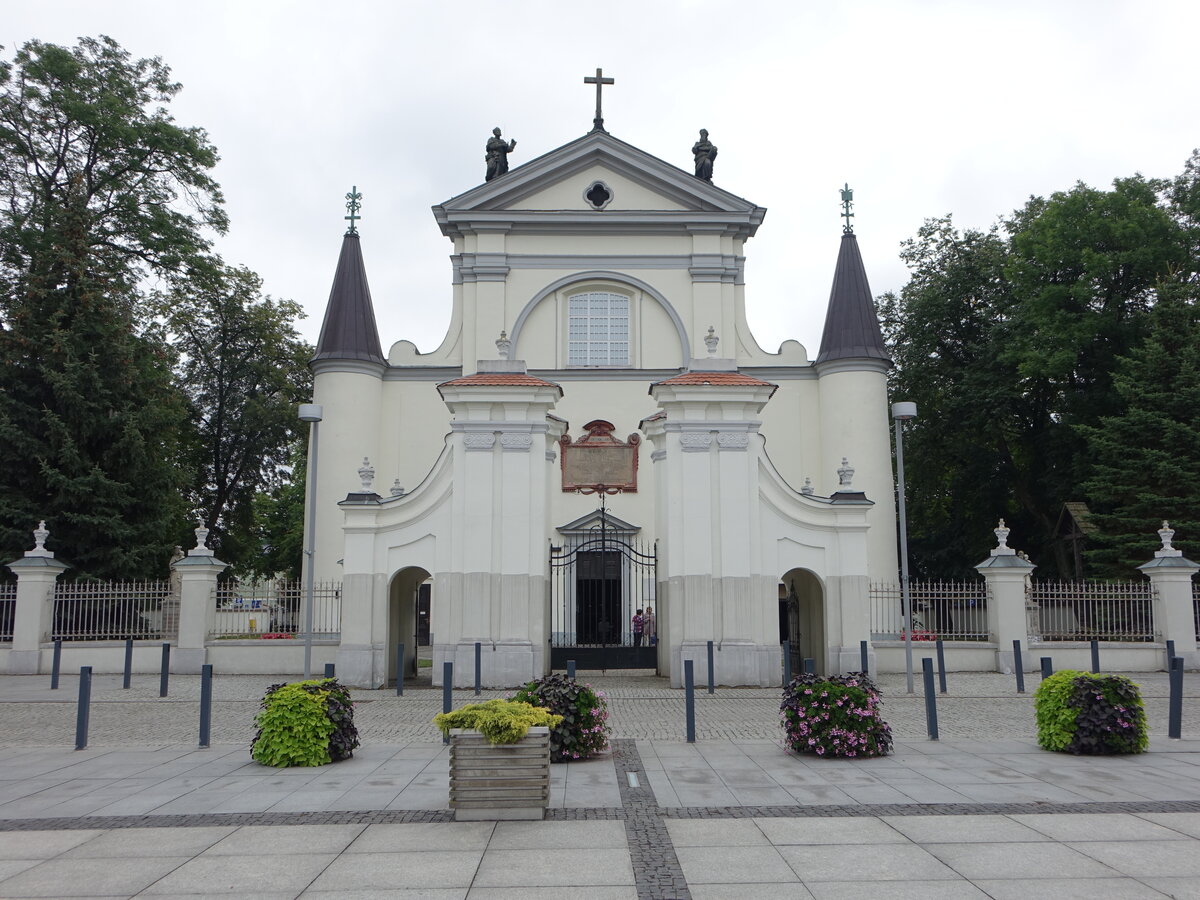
{"points": [[597, 329]]}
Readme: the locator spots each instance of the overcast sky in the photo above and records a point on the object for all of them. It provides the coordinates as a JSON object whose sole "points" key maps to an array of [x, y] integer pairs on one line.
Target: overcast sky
{"points": [[925, 108]]}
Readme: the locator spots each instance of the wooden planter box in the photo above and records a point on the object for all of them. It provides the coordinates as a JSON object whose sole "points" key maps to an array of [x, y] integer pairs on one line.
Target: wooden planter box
{"points": [[499, 781]]}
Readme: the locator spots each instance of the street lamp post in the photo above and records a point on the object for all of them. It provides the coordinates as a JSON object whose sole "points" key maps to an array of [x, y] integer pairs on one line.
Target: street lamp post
{"points": [[311, 413], [900, 412]]}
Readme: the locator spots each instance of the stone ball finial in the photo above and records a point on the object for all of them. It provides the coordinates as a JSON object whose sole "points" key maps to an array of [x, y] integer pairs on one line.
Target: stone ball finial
{"points": [[845, 474], [397, 489], [808, 489], [366, 474]]}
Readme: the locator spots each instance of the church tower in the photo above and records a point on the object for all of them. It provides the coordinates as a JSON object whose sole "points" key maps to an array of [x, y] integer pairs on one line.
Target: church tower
{"points": [[347, 383], [852, 368]]}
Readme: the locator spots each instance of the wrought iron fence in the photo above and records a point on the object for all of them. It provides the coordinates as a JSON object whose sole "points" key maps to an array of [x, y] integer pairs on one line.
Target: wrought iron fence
{"points": [[950, 610], [1196, 606], [275, 608], [115, 610], [1094, 610], [8, 610]]}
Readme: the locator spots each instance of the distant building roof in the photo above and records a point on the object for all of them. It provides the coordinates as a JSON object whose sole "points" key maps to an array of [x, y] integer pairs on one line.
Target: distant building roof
{"points": [[349, 330], [851, 325]]}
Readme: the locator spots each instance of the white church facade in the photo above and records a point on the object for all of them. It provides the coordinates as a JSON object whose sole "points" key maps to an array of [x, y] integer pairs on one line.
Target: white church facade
{"points": [[598, 335]]}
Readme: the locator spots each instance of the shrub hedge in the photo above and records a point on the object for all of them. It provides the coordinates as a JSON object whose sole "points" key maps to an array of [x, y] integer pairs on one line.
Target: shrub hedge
{"points": [[1082, 713], [305, 723], [834, 715], [584, 729]]}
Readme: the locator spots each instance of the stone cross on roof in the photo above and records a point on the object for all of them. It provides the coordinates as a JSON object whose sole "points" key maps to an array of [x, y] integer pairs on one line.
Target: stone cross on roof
{"points": [[599, 81]]}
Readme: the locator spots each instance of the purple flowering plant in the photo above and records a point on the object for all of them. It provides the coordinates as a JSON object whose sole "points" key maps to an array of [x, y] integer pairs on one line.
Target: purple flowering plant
{"points": [[834, 715], [584, 729]]}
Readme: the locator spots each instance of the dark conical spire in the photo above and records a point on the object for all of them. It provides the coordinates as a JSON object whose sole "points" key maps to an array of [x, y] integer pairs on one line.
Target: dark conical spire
{"points": [[349, 330], [851, 326]]}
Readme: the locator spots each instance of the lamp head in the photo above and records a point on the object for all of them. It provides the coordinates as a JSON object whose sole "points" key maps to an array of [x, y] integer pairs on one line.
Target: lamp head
{"points": [[310, 412], [904, 410]]}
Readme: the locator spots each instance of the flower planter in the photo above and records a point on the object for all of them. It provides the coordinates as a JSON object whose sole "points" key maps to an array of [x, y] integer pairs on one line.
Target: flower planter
{"points": [[499, 781]]}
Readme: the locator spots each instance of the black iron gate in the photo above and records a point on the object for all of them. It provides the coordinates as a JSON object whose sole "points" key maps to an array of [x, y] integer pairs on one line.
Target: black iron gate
{"points": [[602, 608]]}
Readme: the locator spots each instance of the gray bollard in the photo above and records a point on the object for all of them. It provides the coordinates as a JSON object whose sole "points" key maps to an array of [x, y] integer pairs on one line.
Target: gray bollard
{"points": [[478, 665], [1019, 667], [128, 664], [399, 670], [864, 658], [83, 711], [931, 722], [205, 703], [1047, 667], [1095, 657], [689, 695], [447, 692], [1170, 654], [810, 666], [941, 661], [330, 670], [571, 669], [711, 678], [56, 664], [787, 662], [1175, 707], [164, 674]]}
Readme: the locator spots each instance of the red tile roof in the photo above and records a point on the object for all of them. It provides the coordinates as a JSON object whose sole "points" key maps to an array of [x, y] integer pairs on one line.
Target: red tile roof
{"points": [[499, 379], [732, 378]]}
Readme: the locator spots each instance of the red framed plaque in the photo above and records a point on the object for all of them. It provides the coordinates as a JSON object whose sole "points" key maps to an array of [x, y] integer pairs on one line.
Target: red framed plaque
{"points": [[597, 460]]}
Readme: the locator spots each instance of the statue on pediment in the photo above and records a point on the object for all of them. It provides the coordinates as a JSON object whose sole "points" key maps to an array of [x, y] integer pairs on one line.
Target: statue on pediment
{"points": [[496, 156]]}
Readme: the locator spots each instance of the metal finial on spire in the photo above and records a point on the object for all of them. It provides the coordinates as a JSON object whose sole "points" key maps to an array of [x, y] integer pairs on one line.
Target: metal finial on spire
{"points": [[599, 81], [353, 205], [847, 202]]}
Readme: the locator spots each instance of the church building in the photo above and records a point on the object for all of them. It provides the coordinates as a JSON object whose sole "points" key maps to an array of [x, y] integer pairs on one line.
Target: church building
{"points": [[600, 462]]}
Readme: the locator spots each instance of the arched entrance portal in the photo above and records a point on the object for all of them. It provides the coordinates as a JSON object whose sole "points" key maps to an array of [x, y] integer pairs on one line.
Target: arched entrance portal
{"points": [[409, 599], [802, 616]]}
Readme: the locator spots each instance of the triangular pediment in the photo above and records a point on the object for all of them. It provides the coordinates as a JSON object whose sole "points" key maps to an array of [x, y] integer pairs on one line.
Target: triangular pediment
{"points": [[590, 522], [643, 187]]}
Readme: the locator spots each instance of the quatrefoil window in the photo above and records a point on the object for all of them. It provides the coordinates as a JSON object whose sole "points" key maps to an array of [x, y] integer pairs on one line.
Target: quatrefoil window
{"points": [[598, 195]]}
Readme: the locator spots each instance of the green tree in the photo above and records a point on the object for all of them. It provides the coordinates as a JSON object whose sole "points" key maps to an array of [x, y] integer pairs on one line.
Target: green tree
{"points": [[102, 191], [243, 368], [1147, 457], [1007, 341], [278, 531]]}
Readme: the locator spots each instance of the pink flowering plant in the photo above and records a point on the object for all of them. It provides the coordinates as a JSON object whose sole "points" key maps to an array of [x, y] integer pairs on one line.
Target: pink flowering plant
{"points": [[1082, 713], [584, 729], [834, 715]]}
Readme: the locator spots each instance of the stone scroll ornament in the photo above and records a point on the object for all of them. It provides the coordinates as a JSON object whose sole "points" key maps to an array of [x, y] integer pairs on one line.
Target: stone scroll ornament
{"points": [[597, 460]]}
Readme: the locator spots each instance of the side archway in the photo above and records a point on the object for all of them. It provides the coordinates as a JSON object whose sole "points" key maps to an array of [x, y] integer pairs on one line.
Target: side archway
{"points": [[802, 618], [408, 617]]}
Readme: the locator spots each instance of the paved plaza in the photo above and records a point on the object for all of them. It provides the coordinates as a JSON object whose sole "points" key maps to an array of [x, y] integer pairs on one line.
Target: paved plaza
{"points": [[981, 813]]}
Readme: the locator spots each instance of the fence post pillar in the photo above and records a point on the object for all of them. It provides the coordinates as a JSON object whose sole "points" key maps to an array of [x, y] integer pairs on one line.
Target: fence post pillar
{"points": [[1171, 575], [33, 615], [197, 573], [1007, 577]]}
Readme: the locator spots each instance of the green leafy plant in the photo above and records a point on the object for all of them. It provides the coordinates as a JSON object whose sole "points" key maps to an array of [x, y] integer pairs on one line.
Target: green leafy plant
{"points": [[305, 723], [834, 715], [500, 721], [1082, 713], [584, 729]]}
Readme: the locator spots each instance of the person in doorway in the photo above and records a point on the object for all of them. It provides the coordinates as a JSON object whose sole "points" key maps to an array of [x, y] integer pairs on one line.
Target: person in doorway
{"points": [[639, 626], [651, 627]]}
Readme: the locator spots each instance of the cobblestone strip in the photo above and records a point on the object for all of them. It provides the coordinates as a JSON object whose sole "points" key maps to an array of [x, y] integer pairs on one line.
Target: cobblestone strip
{"points": [[639, 810], [656, 869]]}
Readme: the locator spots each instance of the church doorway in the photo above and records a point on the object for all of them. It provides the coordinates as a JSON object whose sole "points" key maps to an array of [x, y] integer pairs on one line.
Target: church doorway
{"points": [[410, 596], [602, 603], [802, 618]]}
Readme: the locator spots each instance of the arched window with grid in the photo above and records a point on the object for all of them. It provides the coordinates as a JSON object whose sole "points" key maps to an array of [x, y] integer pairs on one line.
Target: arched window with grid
{"points": [[597, 329]]}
